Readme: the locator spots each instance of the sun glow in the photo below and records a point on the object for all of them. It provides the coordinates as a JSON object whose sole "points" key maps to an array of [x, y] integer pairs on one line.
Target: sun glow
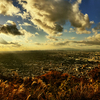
{"points": [[6, 37]]}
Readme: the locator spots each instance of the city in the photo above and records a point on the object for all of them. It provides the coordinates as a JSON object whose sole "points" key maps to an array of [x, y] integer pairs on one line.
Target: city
{"points": [[35, 63]]}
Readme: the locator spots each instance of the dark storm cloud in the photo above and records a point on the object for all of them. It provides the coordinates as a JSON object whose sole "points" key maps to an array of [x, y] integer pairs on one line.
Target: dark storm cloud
{"points": [[10, 29]]}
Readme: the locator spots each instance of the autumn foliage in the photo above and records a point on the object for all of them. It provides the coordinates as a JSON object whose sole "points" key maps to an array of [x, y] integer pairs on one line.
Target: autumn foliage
{"points": [[53, 85]]}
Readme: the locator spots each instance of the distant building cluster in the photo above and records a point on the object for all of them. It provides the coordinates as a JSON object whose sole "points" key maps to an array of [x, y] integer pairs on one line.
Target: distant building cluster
{"points": [[35, 63]]}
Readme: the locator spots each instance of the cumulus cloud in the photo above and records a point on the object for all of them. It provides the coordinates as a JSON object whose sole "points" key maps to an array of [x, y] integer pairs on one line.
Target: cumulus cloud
{"points": [[71, 30], [7, 8], [94, 31], [11, 22], [27, 35], [91, 40], [59, 34], [80, 21], [36, 33], [56, 35], [24, 15], [10, 29], [73, 37], [91, 22], [62, 42], [65, 30], [25, 24], [51, 15], [97, 27], [79, 31], [95, 37]]}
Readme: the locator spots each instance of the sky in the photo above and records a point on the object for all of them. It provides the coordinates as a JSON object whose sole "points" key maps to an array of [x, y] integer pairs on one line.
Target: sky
{"points": [[49, 24]]}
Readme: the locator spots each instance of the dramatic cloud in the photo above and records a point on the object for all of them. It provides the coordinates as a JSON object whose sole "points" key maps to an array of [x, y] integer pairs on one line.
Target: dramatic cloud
{"points": [[80, 22], [91, 40], [10, 29], [7, 8], [51, 15]]}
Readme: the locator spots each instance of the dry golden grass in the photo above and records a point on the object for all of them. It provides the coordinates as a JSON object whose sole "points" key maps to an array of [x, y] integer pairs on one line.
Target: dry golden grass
{"points": [[51, 86]]}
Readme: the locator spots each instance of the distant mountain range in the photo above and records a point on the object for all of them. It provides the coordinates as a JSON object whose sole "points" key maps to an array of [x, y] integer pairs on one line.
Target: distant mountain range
{"points": [[68, 49], [73, 49]]}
